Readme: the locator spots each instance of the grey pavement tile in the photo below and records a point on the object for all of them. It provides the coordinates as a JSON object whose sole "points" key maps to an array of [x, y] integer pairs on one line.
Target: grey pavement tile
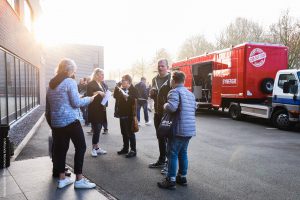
{"points": [[8, 186], [14, 197], [4, 172], [42, 164], [66, 193]]}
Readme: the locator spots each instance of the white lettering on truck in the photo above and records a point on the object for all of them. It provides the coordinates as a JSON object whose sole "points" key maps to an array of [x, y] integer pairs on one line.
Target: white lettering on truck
{"points": [[231, 81]]}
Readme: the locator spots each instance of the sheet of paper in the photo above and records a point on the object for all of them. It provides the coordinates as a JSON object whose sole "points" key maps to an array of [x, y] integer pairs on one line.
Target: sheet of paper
{"points": [[123, 92], [106, 97]]}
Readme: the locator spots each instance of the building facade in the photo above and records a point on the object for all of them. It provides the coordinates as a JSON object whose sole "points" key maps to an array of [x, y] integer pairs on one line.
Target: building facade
{"points": [[19, 59], [26, 66]]}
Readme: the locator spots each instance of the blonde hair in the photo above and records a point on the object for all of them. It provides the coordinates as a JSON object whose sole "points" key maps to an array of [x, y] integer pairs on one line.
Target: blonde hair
{"points": [[65, 66], [95, 72]]}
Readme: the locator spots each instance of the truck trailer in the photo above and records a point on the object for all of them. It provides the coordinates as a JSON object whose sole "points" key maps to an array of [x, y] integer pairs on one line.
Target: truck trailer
{"points": [[247, 79]]}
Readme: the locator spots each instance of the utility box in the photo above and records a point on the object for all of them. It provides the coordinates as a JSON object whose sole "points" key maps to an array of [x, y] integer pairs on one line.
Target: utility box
{"points": [[5, 151]]}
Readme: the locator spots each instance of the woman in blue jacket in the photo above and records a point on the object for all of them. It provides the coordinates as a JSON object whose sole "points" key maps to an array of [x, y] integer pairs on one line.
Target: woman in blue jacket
{"points": [[63, 103]]}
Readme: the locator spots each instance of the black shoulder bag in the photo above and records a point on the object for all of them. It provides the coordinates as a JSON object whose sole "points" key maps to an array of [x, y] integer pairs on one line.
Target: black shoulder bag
{"points": [[169, 122]]}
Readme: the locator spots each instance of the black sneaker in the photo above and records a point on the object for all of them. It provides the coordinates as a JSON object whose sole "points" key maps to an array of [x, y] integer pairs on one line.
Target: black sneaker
{"points": [[123, 151], [105, 131], [181, 180], [157, 164], [131, 154], [167, 184]]}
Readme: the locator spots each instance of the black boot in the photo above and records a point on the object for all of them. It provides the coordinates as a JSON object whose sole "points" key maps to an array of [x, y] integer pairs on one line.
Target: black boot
{"points": [[167, 184], [123, 151], [181, 180]]}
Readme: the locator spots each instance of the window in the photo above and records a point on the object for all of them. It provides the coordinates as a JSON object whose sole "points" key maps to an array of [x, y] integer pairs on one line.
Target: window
{"points": [[19, 91], [27, 16], [11, 93], [3, 103], [284, 78]]}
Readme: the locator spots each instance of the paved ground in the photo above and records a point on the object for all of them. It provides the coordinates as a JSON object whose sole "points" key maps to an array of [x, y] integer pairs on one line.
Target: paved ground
{"points": [[227, 160], [32, 180]]}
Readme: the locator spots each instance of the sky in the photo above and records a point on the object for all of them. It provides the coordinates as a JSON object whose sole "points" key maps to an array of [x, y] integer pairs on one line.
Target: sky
{"points": [[132, 30]]}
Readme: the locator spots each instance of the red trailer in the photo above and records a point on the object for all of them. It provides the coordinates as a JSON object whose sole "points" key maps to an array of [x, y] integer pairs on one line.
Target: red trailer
{"points": [[242, 74]]}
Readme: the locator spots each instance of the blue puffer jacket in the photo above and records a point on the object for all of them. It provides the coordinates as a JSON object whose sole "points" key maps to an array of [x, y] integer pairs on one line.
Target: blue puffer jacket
{"points": [[64, 102], [186, 126]]}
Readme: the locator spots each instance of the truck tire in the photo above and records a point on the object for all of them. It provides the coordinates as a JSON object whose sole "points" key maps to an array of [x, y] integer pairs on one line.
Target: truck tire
{"points": [[235, 112], [280, 119], [266, 85]]}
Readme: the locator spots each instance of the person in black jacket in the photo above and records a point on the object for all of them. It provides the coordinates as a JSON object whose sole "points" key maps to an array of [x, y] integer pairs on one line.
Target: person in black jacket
{"points": [[125, 110], [97, 111], [159, 92], [142, 100]]}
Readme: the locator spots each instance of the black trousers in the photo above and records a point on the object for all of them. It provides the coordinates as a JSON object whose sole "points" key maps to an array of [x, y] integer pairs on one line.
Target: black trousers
{"points": [[96, 132], [162, 142], [61, 142], [127, 134]]}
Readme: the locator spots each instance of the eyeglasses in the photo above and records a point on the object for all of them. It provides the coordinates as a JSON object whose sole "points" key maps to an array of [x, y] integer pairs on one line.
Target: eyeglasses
{"points": [[123, 80], [161, 66]]}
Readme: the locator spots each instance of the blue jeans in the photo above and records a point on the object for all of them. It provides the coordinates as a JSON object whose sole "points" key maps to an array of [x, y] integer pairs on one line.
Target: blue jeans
{"points": [[177, 150], [142, 104]]}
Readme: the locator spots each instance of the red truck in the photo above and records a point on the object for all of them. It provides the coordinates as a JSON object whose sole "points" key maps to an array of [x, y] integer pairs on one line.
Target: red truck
{"points": [[241, 79]]}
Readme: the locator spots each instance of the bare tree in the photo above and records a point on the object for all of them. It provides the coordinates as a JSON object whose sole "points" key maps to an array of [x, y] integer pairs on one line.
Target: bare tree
{"points": [[194, 46], [287, 32], [138, 69], [240, 31], [160, 54]]}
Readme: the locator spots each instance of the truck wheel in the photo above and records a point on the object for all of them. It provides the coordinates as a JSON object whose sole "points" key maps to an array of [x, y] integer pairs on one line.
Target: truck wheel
{"points": [[267, 85], [235, 112], [280, 119]]}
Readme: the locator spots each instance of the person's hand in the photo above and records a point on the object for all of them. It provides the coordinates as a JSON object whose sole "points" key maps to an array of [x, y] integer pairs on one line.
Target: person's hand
{"points": [[153, 92], [102, 94], [93, 97]]}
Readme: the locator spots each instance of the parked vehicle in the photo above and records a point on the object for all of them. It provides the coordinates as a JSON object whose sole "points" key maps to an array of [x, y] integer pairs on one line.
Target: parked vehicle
{"points": [[242, 79]]}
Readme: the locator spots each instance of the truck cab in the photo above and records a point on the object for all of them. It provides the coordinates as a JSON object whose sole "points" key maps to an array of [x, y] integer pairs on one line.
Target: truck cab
{"points": [[286, 98]]}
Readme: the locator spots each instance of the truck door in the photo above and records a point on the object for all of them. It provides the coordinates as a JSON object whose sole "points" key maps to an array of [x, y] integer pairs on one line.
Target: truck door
{"points": [[285, 98]]}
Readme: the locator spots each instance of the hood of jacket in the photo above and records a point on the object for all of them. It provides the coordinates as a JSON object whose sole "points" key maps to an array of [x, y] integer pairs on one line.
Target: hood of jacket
{"points": [[54, 82]]}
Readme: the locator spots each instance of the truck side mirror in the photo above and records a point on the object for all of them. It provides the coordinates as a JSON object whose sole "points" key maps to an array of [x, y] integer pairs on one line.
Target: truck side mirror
{"points": [[286, 87]]}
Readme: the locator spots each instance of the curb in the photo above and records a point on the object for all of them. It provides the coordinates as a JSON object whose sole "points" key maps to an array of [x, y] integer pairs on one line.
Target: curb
{"points": [[27, 138]]}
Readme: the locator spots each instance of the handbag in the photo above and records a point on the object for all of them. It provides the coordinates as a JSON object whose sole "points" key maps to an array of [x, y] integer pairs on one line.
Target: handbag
{"points": [[135, 125], [168, 123]]}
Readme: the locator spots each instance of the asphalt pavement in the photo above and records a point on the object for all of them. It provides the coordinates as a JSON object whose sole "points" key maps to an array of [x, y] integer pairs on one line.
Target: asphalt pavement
{"points": [[227, 160]]}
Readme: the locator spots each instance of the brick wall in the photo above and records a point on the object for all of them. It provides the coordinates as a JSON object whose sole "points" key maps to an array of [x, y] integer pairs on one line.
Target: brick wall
{"points": [[14, 36]]}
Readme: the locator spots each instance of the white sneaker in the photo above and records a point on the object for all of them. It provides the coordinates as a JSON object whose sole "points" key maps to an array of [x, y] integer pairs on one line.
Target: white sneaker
{"points": [[84, 184], [101, 151], [139, 124], [64, 182], [94, 153], [148, 123]]}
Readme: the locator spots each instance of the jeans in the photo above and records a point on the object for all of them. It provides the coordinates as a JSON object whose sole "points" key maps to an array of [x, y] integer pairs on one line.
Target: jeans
{"points": [[177, 150], [127, 134], [96, 130], [144, 105], [61, 142], [162, 142]]}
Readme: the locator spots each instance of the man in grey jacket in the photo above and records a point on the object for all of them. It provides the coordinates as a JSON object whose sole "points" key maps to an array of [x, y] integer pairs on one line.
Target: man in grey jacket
{"points": [[181, 101]]}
